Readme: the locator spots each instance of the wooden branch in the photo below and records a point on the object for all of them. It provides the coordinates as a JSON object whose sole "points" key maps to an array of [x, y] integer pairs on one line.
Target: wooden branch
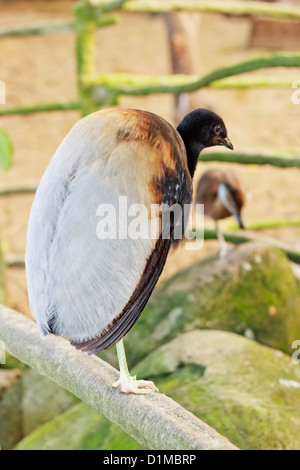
{"points": [[250, 159], [114, 84], [211, 6], [251, 82], [156, 422], [226, 84], [15, 260], [51, 28], [98, 8], [267, 224], [39, 28], [86, 24], [19, 190], [40, 108], [130, 84]]}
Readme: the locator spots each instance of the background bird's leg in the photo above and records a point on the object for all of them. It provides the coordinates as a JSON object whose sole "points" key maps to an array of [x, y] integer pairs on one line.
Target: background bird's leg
{"points": [[222, 243], [127, 383]]}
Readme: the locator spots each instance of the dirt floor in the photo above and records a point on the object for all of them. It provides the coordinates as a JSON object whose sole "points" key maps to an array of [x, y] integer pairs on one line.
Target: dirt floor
{"points": [[42, 69]]}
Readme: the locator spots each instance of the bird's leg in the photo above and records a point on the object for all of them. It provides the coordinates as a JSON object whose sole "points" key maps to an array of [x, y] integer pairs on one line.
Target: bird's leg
{"points": [[222, 243], [127, 383]]}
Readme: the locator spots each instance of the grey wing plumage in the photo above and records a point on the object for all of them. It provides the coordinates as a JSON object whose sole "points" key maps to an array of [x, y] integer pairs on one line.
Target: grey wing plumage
{"points": [[87, 288]]}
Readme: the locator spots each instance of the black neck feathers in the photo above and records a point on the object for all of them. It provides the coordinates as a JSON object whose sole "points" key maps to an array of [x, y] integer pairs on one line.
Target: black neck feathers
{"points": [[193, 150]]}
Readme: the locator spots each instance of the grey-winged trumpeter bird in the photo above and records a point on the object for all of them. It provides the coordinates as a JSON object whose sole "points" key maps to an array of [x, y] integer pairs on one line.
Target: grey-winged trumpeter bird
{"points": [[88, 288]]}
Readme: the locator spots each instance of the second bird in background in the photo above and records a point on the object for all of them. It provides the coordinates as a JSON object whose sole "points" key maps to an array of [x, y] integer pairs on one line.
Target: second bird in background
{"points": [[222, 195]]}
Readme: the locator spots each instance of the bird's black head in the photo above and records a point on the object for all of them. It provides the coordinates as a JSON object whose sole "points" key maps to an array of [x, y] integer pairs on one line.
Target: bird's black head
{"points": [[200, 129]]}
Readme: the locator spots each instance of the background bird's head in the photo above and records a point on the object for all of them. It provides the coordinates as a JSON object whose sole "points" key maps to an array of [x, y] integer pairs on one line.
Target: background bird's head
{"points": [[232, 199]]}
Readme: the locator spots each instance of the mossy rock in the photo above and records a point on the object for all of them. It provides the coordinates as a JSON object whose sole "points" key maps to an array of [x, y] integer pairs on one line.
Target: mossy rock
{"points": [[11, 428], [11, 362], [42, 399], [79, 428], [248, 392], [8, 377], [32, 401], [252, 289]]}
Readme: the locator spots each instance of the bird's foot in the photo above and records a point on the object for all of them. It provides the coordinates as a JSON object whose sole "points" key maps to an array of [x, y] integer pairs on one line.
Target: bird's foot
{"points": [[129, 384]]}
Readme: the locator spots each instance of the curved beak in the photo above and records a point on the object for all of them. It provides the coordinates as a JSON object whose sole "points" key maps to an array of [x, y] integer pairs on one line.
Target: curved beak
{"points": [[226, 143]]}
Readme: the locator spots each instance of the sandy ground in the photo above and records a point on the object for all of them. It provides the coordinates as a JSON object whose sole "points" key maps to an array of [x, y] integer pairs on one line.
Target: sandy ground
{"points": [[42, 69]]}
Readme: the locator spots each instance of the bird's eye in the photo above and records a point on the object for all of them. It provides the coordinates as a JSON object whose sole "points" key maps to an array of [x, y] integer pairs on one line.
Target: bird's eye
{"points": [[217, 129]]}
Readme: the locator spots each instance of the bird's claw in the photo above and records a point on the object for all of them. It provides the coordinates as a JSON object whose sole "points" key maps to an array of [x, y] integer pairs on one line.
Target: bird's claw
{"points": [[138, 387]]}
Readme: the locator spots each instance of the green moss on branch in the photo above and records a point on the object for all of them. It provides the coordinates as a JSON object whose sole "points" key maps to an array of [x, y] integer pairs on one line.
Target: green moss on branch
{"points": [[250, 159], [52, 28], [40, 108], [130, 84]]}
